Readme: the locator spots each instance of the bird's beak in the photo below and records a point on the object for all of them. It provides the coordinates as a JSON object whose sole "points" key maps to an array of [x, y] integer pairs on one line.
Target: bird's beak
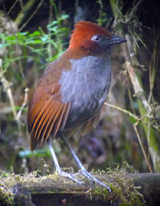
{"points": [[117, 40]]}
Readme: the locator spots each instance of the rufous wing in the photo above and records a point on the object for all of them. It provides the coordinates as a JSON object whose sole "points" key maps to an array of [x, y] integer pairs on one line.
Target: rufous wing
{"points": [[47, 113]]}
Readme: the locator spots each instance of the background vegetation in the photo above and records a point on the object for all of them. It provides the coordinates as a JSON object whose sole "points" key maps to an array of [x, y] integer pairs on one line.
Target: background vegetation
{"points": [[34, 33]]}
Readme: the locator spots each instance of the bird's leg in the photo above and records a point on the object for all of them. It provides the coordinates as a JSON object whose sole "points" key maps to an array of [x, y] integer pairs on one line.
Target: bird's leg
{"points": [[82, 168], [58, 168], [55, 160]]}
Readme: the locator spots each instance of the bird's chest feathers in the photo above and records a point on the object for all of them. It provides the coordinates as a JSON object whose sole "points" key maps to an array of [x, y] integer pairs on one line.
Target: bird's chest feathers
{"points": [[86, 85]]}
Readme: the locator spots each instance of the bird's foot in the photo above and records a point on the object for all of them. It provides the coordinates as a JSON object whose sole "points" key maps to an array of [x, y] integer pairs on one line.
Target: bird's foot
{"points": [[70, 176], [93, 179]]}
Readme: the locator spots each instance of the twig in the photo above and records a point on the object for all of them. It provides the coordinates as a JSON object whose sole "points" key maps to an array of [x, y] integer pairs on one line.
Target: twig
{"points": [[24, 13], [24, 103], [124, 111], [6, 86], [141, 144], [139, 92], [12, 7], [31, 16]]}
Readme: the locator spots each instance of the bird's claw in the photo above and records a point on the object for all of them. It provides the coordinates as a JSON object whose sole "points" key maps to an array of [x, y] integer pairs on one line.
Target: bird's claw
{"points": [[70, 176], [93, 179]]}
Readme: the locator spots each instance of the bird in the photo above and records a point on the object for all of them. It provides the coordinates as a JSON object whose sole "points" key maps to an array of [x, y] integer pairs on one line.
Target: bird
{"points": [[71, 92]]}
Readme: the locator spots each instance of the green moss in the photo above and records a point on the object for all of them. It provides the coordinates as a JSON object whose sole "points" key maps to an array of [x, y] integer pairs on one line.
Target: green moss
{"points": [[8, 181], [122, 188], [6, 194]]}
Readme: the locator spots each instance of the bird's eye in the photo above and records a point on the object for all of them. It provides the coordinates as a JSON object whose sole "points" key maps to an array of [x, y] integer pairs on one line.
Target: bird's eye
{"points": [[96, 38]]}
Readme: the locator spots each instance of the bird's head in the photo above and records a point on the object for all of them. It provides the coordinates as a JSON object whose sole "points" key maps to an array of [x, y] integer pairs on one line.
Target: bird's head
{"points": [[91, 39]]}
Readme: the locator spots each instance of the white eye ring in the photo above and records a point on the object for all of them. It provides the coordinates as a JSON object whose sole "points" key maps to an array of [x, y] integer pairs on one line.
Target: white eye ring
{"points": [[96, 38]]}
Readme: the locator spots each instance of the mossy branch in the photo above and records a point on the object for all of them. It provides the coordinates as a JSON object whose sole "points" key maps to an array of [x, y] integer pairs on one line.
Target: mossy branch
{"points": [[127, 189]]}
